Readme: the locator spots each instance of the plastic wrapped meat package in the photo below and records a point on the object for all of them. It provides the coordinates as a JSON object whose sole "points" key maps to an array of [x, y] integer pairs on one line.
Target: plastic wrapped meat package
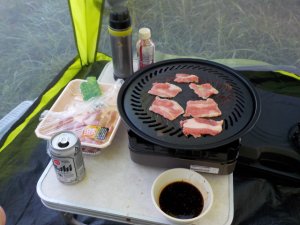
{"points": [[94, 121]]}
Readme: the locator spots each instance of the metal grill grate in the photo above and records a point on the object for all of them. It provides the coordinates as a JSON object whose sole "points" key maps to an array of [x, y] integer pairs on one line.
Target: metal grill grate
{"points": [[237, 101]]}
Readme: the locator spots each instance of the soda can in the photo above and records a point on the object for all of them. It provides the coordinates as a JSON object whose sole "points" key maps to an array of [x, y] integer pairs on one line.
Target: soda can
{"points": [[65, 151]]}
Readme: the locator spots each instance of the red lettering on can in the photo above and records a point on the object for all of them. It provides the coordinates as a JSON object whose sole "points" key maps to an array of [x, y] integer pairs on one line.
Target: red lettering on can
{"points": [[56, 162]]}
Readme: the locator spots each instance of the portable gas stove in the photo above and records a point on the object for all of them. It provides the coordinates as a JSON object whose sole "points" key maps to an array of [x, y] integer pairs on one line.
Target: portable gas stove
{"points": [[156, 141], [260, 131]]}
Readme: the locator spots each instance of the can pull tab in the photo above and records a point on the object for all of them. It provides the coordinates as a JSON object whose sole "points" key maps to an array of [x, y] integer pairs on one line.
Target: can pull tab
{"points": [[64, 142]]}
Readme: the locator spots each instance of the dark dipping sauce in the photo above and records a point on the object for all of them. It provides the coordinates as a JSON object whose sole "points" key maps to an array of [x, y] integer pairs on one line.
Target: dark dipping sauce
{"points": [[181, 200]]}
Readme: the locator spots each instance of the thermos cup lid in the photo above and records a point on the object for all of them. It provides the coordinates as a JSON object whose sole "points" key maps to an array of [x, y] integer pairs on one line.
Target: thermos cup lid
{"points": [[119, 18]]}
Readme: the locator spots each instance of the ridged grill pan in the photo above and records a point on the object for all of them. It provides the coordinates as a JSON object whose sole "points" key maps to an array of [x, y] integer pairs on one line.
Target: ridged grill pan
{"points": [[237, 100]]}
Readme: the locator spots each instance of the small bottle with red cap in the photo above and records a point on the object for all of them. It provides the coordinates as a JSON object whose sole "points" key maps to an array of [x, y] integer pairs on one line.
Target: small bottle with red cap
{"points": [[145, 48]]}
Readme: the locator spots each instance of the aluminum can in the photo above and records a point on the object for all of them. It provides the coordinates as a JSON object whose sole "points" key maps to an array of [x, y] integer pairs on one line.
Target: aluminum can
{"points": [[65, 151]]}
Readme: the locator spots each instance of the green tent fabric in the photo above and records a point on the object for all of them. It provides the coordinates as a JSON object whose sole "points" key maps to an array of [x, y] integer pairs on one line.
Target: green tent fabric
{"points": [[86, 17], [23, 156]]}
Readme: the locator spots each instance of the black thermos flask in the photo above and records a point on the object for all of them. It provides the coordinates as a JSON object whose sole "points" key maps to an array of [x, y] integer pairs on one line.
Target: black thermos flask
{"points": [[120, 31]]}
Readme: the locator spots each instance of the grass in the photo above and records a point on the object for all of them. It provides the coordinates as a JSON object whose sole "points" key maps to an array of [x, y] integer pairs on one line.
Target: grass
{"points": [[260, 30], [36, 42], [36, 37]]}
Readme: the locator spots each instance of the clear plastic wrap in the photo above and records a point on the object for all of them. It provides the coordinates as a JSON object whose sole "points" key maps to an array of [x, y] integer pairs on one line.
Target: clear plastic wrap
{"points": [[94, 121]]}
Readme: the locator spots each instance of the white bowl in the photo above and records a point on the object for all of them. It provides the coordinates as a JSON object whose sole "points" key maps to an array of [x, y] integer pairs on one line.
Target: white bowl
{"points": [[185, 175]]}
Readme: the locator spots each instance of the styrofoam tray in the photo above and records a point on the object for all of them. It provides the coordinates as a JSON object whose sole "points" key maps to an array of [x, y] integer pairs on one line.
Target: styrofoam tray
{"points": [[70, 94]]}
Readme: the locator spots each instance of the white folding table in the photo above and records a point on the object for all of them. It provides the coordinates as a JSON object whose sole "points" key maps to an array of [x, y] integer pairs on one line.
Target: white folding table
{"points": [[116, 188]]}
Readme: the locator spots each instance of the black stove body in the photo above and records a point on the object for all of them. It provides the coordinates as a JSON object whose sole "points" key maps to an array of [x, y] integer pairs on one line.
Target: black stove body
{"points": [[221, 160]]}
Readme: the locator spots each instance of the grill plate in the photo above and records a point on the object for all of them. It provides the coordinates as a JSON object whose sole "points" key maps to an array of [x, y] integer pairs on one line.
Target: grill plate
{"points": [[237, 100]]}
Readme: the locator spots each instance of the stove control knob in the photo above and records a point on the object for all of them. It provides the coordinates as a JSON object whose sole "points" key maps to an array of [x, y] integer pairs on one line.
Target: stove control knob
{"points": [[296, 137]]}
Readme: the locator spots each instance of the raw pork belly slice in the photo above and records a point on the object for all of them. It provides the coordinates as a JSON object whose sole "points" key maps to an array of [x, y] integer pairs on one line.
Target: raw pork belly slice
{"points": [[202, 108], [204, 90], [186, 78], [166, 90], [166, 108], [199, 126]]}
